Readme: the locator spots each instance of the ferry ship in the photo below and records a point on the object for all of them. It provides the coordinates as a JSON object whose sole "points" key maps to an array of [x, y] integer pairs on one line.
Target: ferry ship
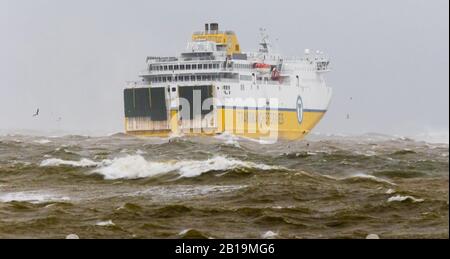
{"points": [[214, 88]]}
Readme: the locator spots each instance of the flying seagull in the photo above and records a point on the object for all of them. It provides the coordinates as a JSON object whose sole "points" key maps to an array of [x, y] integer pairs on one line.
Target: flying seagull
{"points": [[37, 113]]}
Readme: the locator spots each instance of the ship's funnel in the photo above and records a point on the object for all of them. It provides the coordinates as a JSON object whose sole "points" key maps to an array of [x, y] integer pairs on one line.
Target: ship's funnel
{"points": [[214, 27], [206, 28]]}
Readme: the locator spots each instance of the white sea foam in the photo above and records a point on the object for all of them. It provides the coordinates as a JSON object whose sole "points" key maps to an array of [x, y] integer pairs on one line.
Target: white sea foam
{"points": [[58, 162], [400, 198], [369, 177], [107, 223], [35, 197], [361, 176], [435, 137], [184, 192], [135, 167], [72, 236], [140, 152], [42, 141], [269, 235], [229, 139], [373, 236], [390, 191], [184, 232], [234, 139]]}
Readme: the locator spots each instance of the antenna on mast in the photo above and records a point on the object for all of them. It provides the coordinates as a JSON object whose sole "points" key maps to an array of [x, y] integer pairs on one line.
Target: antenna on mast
{"points": [[265, 44]]}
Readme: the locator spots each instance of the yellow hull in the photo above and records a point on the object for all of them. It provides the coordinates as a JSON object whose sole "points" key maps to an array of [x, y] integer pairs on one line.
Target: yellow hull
{"points": [[281, 124]]}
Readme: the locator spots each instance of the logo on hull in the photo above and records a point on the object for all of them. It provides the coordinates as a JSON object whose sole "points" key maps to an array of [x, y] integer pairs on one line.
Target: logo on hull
{"points": [[300, 110]]}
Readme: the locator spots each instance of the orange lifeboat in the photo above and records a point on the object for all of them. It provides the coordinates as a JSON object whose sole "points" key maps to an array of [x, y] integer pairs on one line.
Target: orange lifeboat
{"points": [[261, 66]]}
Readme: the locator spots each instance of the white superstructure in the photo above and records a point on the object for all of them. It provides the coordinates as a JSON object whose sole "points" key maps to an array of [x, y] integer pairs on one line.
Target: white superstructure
{"points": [[295, 87]]}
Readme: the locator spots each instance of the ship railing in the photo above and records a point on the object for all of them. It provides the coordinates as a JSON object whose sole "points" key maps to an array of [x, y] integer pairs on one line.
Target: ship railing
{"points": [[137, 84], [162, 59], [213, 32]]}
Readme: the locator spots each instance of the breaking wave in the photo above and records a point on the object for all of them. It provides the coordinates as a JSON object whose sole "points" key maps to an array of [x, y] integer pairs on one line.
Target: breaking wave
{"points": [[107, 223], [60, 162], [35, 197], [400, 198], [135, 167], [269, 235], [362, 177], [42, 141], [436, 137], [192, 234]]}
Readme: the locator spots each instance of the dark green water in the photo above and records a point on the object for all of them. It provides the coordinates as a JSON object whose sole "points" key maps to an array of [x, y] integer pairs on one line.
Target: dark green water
{"points": [[125, 187]]}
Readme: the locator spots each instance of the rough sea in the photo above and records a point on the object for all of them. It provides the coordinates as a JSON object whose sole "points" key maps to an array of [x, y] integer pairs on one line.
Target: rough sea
{"points": [[223, 187]]}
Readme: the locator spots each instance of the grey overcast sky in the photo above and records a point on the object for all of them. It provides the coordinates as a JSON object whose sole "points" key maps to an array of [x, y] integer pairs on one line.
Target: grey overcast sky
{"points": [[72, 58]]}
